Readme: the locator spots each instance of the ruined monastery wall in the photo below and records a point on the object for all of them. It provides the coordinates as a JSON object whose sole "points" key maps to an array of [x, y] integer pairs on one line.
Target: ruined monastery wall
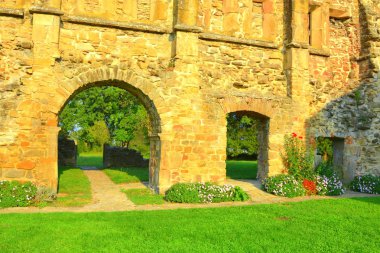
{"points": [[191, 63]]}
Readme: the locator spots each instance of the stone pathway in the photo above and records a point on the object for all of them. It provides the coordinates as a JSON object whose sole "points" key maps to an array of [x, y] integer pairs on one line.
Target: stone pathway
{"points": [[107, 197], [106, 194]]}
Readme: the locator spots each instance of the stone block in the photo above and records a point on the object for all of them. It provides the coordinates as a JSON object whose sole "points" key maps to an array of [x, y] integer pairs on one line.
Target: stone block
{"points": [[160, 10], [230, 6], [230, 23], [26, 165], [13, 173]]}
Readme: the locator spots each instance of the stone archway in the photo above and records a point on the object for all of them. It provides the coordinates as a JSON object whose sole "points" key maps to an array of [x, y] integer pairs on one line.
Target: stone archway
{"points": [[262, 139], [123, 79], [269, 162]]}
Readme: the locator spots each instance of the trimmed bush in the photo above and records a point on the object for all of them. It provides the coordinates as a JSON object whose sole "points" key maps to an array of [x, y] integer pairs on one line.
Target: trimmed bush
{"points": [[14, 193], [204, 193], [284, 185], [366, 184]]}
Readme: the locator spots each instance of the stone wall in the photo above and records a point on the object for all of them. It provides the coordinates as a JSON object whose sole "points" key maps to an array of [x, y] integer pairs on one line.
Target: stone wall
{"points": [[67, 152], [190, 69], [122, 157], [351, 110]]}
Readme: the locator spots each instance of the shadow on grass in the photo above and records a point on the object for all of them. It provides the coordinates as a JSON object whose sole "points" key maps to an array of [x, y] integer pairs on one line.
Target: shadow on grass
{"points": [[74, 188], [61, 171]]}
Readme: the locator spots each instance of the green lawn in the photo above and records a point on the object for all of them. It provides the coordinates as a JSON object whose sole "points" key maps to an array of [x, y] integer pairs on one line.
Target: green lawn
{"points": [[337, 225], [74, 188], [235, 169], [144, 196], [127, 175], [241, 169], [90, 159]]}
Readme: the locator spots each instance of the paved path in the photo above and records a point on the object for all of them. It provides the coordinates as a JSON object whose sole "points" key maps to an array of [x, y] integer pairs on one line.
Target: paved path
{"points": [[107, 197]]}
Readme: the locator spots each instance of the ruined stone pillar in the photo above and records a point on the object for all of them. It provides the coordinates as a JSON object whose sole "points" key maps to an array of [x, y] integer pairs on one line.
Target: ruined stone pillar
{"points": [[176, 165], [45, 36], [297, 62], [49, 165], [154, 162]]}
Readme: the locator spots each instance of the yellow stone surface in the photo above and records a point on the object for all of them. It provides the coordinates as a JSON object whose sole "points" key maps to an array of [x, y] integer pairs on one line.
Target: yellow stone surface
{"points": [[217, 57]]}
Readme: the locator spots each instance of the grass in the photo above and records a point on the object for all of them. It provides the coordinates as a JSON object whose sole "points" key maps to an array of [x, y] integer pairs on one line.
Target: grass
{"points": [[241, 169], [127, 175], [235, 169], [144, 196], [74, 188], [333, 225], [90, 159]]}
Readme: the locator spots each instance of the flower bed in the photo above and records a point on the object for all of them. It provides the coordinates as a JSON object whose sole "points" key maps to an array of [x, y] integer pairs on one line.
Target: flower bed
{"points": [[366, 184], [204, 193], [13, 194], [329, 186], [289, 186], [302, 179], [284, 185]]}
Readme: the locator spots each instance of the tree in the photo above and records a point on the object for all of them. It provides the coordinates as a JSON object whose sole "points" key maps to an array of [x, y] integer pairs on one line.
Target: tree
{"points": [[87, 116], [241, 135], [99, 133]]}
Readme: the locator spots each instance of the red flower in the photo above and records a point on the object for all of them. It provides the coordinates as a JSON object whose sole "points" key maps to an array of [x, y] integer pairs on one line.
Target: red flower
{"points": [[300, 137], [310, 187], [294, 135]]}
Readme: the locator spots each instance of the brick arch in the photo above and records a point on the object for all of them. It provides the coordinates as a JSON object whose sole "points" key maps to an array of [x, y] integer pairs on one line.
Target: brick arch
{"points": [[257, 105], [131, 82], [261, 109], [114, 76]]}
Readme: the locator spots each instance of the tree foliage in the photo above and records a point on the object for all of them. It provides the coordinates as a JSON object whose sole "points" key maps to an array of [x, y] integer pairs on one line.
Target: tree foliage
{"points": [[241, 135], [105, 114]]}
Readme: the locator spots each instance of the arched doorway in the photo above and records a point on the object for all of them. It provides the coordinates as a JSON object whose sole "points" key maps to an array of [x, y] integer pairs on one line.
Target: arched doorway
{"points": [[247, 145], [154, 127]]}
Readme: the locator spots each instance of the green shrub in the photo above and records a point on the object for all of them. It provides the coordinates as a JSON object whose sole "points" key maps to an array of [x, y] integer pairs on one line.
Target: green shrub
{"points": [[325, 148], [13, 193], [284, 185], [366, 183], [325, 169], [204, 193]]}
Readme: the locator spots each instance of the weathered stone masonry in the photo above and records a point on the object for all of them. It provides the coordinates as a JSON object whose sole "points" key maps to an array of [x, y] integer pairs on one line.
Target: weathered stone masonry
{"points": [[310, 67]]}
